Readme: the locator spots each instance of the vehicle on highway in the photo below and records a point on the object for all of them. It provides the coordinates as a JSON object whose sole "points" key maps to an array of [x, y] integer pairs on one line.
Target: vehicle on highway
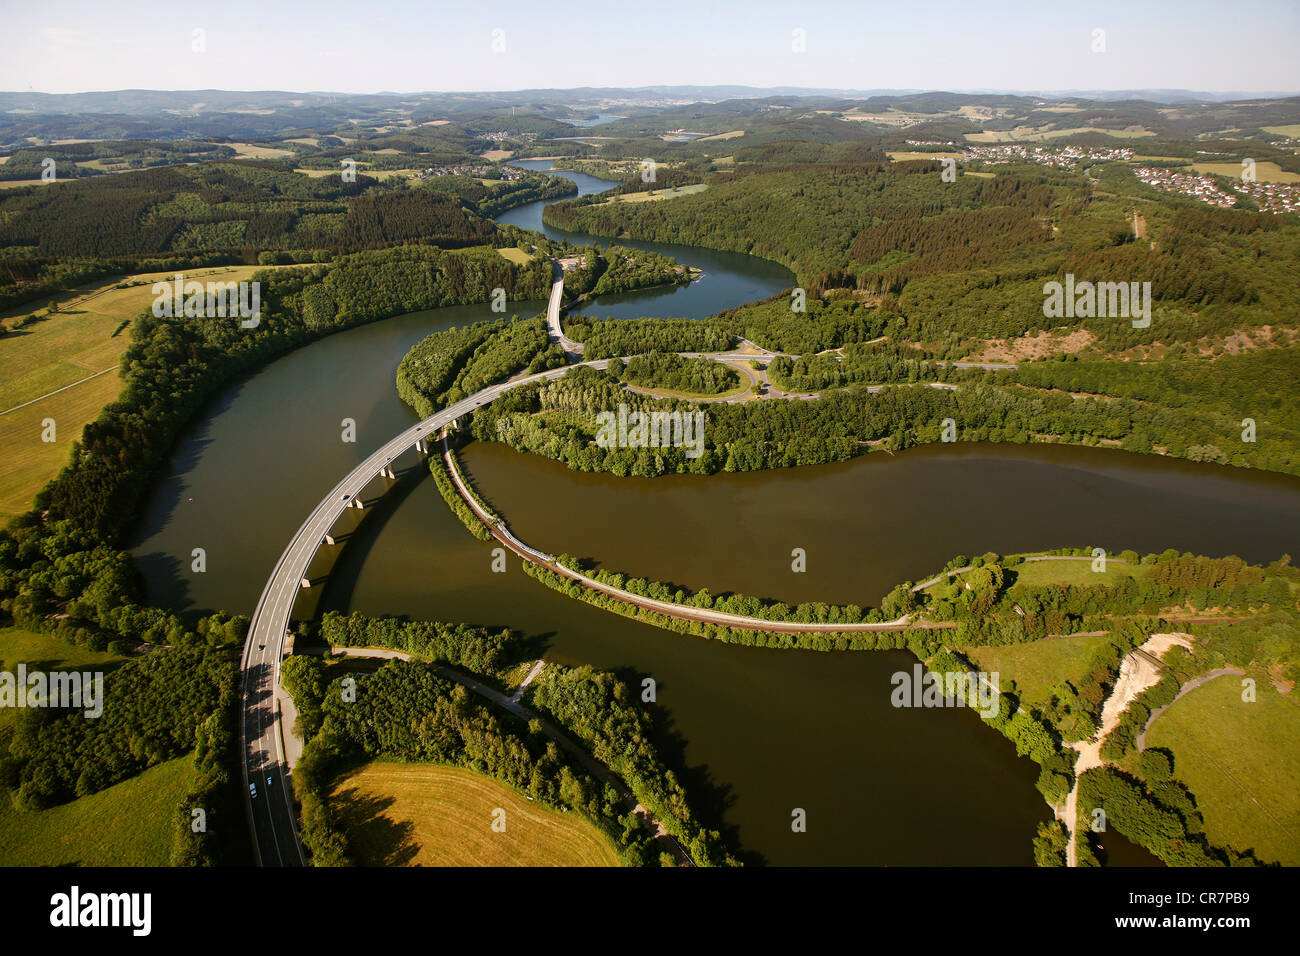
{"points": [[252, 790]]}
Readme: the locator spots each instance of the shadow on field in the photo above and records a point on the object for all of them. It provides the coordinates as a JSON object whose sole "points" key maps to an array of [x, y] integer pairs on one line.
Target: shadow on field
{"points": [[377, 839]]}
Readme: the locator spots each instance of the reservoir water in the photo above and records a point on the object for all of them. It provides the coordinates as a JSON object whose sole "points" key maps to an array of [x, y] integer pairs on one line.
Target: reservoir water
{"points": [[765, 732]]}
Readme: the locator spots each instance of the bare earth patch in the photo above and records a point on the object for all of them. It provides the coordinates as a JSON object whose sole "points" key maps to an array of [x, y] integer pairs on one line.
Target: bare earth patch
{"points": [[1249, 340], [1027, 348]]}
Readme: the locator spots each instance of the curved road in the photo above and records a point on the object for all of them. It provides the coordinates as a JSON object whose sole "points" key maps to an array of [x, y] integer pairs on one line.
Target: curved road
{"points": [[270, 805], [271, 814], [667, 608]]}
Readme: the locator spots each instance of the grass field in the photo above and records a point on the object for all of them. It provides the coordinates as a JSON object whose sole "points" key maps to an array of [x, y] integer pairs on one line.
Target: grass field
{"points": [[1070, 572], [1265, 171], [654, 195], [1039, 666], [64, 350], [252, 151], [430, 815], [18, 646], [43, 652], [1076, 573], [1241, 761], [517, 256], [1292, 130], [129, 824]]}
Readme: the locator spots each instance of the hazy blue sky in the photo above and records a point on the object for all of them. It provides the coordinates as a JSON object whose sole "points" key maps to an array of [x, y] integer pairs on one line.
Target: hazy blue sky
{"points": [[376, 45]]}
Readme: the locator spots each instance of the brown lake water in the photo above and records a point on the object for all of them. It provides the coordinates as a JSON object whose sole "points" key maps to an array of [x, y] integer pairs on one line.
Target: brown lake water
{"points": [[764, 731]]}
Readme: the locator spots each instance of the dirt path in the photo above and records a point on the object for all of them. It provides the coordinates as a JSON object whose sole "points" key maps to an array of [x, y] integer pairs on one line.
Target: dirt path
{"points": [[1136, 674], [523, 686]]}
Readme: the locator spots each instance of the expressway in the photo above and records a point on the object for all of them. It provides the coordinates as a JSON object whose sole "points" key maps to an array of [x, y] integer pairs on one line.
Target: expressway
{"points": [[571, 348], [269, 802], [272, 817]]}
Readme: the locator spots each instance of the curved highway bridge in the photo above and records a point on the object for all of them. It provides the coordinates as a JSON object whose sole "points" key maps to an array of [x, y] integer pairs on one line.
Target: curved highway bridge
{"points": [[271, 812], [270, 804]]}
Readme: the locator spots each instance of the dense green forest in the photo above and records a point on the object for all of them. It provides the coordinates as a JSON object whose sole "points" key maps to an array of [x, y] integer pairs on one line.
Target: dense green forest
{"points": [[612, 338], [885, 250], [668, 370], [968, 259], [64, 557], [73, 160], [559, 419], [225, 207], [56, 757], [410, 711], [619, 269]]}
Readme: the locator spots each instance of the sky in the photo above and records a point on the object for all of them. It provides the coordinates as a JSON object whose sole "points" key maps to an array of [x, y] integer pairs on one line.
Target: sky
{"points": [[369, 46]]}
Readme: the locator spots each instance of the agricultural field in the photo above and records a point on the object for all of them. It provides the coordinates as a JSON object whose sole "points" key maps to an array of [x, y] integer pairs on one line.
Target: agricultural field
{"points": [[1241, 762], [129, 824], [1266, 171], [252, 151], [62, 368], [432, 815]]}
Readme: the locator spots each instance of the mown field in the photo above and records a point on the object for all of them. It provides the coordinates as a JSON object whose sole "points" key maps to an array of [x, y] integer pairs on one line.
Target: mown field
{"points": [[129, 824], [1241, 761], [64, 350], [430, 815]]}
